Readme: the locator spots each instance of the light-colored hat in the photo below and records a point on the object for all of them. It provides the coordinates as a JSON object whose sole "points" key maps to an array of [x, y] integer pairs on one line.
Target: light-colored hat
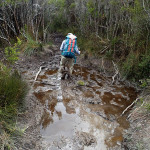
{"points": [[70, 35]]}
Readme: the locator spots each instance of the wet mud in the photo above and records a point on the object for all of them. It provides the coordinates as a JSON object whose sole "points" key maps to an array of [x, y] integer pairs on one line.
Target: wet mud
{"points": [[84, 117]]}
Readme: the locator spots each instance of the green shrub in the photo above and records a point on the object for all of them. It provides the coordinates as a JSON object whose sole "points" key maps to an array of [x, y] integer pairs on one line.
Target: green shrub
{"points": [[144, 66], [12, 52], [12, 93], [147, 106], [109, 54], [128, 66], [90, 44], [137, 67], [11, 88], [143, 83], [32, 46], [58, 24]]}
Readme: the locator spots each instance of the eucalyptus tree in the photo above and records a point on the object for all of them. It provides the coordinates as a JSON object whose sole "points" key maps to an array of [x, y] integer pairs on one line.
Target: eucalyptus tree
{"points": [[104, 18], [20, 17]]}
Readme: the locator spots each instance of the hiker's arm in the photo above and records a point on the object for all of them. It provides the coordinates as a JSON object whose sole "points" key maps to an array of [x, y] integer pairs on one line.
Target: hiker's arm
{"points": [[62, 46], [77, 50]]}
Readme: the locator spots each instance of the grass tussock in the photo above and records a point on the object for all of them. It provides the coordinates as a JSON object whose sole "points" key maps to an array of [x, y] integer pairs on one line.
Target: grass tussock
{"points": [[30, 46], [12, 94]]}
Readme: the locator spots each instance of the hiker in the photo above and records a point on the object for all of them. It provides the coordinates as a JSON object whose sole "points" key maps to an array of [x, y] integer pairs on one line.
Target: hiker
{"points": [[68, 50]]}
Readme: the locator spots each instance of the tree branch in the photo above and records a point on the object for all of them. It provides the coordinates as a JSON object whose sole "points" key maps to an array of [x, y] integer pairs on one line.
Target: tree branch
{"points": [[130, 106], [38, 73]]}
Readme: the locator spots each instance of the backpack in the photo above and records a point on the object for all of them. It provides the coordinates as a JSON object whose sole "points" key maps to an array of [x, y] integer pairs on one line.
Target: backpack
{"points": [[69, 49]]}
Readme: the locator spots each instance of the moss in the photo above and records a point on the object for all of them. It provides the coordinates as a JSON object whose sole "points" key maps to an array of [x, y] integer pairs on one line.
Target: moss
{"points": [[81, 83]]}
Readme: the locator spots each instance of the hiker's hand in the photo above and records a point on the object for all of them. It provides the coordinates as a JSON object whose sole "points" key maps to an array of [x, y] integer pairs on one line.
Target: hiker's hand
{"points": [[79, 52]]}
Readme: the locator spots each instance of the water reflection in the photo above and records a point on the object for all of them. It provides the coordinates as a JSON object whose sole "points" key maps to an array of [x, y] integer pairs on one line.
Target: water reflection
{"points": [[96, 107], [62, 123], [46, 119]]}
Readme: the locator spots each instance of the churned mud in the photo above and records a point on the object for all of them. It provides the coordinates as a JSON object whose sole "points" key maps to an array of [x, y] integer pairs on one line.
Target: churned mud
{"points": [[61, 114]]}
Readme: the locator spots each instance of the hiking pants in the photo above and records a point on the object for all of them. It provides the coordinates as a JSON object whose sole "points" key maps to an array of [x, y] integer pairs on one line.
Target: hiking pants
{"points": [[66, 62]]}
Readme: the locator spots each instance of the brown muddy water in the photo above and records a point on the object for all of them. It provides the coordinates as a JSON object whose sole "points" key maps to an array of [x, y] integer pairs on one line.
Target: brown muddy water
{"points": [[82, 117]]}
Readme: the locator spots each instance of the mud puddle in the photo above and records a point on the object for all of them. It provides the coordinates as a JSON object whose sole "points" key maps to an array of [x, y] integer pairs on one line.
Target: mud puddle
{"points": [[82, 117]]}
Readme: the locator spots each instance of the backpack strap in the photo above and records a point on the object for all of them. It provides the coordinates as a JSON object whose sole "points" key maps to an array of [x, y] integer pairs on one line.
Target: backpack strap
{"points": [[69, 45], [73, 45]]}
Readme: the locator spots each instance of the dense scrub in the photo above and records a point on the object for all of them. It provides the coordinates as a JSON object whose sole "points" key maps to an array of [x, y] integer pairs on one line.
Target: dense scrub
{"points": [[117, 29], [112, 28]]}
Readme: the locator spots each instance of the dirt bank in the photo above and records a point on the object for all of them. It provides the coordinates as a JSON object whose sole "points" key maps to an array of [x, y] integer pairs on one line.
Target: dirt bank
{"points": [[137, 136]]}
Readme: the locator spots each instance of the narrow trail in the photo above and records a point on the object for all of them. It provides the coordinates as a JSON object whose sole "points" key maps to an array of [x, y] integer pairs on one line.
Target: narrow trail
{"points": [[73, 117]]}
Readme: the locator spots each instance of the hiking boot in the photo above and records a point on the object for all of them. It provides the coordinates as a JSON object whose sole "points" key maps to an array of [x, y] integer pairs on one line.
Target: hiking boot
{"points": [[70, 77], [63, 76], [59, 75]]}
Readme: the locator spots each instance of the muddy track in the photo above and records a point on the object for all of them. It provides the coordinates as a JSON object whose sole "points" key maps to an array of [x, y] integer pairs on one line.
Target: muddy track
{"points": [[64, 115]]}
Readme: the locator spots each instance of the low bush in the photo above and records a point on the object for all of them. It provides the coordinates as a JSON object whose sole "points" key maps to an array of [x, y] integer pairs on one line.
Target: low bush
{"points": [[12, 52], [137, 67], [12, 93], [12, 88], [31, 46]]}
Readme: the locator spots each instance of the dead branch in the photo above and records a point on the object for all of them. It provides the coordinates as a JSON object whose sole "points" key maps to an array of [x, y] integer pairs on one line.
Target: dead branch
{"points": [[145, 9], [38, 73], [130, 106], [116, 72], [46, 83], [103, 65], [103, 50], [137, 108]]}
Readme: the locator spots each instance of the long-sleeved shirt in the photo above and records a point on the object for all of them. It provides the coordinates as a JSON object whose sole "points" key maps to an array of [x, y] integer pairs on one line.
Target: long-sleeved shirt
{"points": [[64, 46]]}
